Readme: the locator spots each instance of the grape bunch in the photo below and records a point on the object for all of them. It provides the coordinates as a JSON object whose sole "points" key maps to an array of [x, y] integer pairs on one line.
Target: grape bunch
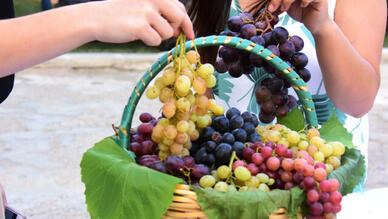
{"points": [[226, 134], [273, 93], [141, 142], [184, 111]]}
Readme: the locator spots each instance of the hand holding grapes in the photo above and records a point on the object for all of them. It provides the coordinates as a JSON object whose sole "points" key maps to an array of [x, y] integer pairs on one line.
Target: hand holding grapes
{"points": [[312, 13]]}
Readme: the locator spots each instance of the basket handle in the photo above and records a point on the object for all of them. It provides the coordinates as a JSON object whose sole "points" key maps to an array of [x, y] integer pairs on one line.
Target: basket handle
{"points": [[297, 83]]}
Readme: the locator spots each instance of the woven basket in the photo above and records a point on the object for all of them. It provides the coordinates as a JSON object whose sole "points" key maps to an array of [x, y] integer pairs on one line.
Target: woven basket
{"points": [[185, 203]]}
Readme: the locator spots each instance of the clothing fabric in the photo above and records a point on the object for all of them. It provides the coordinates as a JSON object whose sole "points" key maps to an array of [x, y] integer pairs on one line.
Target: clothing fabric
{"points": [[240, 92], [6, 83]]}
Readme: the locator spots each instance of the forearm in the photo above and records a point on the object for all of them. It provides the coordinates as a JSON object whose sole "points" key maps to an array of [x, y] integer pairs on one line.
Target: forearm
{"points": [[350, 80], [32, 39]]}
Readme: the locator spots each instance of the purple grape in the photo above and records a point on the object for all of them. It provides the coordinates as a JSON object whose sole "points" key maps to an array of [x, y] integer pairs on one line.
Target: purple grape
{"points": [[220, 66], [275, 85], [262, 25], [235, 23], [135, 147], [279, 35], [188, 161], [266, 82], [267, 38], [200, 170], [174, 164], [298, 177], [292, 102], [145, 117], [228, 33], [258, 40], [246, 17], [299, 60], [229, 54], [235, 70], [316, 209], [274, 49], [287, 50], [279, 99], [159, 166], [268, 108], [262, 94], [298, 43], [147, 160], [309, 182], [145, 129], [282, 110], [148, 147], [268, 68], [305, 74], [248, 31], [324, 197], [266, 118], [137, 138], [256, 60], [288, 185]]}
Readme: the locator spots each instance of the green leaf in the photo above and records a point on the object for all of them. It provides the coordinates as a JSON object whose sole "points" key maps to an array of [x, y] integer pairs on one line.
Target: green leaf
{"points": [[293, 120], [249, 204], [333, 130], [351, 172], [116, 187]]}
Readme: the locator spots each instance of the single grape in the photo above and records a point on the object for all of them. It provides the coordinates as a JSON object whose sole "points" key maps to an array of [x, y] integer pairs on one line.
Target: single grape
{"points": [[170, 132], [325, 186], [228, 138], [242, 173], [222, 153], [238, 163], [298, 43], [298, 177], [158, 166], [326, 149], [235, 70], [256, 60], [220, 66], [279, 35], [238, 147], [338, 148], [148, 147], [174, 164], [229, 54], [335, 197], [176, 148], [253, 169], [145, 129], [288, 164], [135, 147], [266, 152], [309, 182], [292, 102], [223, 172], [316, 209], [199, 85], [207, 181], [334, 185], [234, 23], [145, 117], [263, 187], [320, 174], [267, 38], [304, 74], [247, 153], [257, 158], [327, 207], [152, 92], [289, 185], [274, 49], [253, 182], [300, 164], [200, 170], [287, 50], [266, 118], [336, 208], [247, 31], [324, 197], [273, 163], [299, 60], [221, 186]]}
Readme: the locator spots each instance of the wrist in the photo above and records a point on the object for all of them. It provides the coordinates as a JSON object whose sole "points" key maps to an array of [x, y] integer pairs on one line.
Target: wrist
{"points": [[87, 21]]}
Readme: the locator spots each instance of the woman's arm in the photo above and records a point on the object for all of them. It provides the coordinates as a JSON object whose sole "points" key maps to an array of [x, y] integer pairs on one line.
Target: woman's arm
{"points": [[29, 40], [348, 49]]}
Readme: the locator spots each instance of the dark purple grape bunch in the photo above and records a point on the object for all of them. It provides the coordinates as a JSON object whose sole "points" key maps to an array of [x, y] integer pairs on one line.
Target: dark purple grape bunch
{"points": [[274, 100], [141, 142], [227, 134]]}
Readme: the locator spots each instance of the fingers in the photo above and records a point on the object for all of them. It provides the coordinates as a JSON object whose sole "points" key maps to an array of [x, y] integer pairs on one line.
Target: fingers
{"points": [[305, 3], [274, 5], [159, 24], [3, 195], [176, 15], [149, 35]]}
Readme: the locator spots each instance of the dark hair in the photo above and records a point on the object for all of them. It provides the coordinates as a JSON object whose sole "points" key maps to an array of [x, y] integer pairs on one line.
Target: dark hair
{"points": [[209, 17]]}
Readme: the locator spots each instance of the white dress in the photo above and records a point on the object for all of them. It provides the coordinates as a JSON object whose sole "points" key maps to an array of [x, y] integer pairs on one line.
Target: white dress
{"points": [[239, 92]]}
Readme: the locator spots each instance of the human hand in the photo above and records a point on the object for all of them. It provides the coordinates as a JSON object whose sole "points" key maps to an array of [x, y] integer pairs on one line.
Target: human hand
{"points": [[2, 193], [151, 21], [312, 13]]}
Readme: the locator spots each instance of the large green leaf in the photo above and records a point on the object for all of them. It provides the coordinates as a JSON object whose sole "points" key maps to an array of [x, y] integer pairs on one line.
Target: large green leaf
{"points": [[116, 187], [351, 172], [249, 204], [293, 120], [333, 130]]}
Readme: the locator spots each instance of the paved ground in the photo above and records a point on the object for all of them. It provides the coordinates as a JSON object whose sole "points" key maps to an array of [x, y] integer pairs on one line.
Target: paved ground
{"points": [[55, 114]]}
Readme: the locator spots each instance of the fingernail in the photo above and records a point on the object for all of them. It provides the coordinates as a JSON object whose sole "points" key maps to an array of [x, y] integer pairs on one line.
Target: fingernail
{"points": [[271, 7]]}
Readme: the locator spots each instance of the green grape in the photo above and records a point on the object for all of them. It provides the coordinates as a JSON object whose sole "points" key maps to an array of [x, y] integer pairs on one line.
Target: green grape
{"points": [[312, 133], [176, 149], [211, 81], [207, 181], [293, 137], [231, 188], [252, 182], [243, 188], [224, 172], [317, 141], [205, 70], [191, 98], [271, 181], [152, 92], [219, 110], [199, 85], [159, 83], [334, 161], [274, 136], [338, 148], [263, 178], [163, 147], [284, 142], [193, 57], [215, 175], [168, 77], [181, 138], [242, 173], [182, 85], [202, 102], [182, 126], [221, 186], [157, 133], [326, 149], [312, 149], [170, 132], [329, 168], [164, 122], [168, 110], [166, 94], [319, 156], [263, 187], [187, 72], [183, 104], [302, 145], [202, 122]]}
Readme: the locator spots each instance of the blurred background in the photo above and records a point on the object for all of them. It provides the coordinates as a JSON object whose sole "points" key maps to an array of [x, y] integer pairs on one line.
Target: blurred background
{"points": [[60, 108]]}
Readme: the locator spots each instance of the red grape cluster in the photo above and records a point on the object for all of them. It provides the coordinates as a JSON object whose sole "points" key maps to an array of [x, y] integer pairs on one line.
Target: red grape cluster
{"points": [[141, 142], [289, 170], [273, 92]]}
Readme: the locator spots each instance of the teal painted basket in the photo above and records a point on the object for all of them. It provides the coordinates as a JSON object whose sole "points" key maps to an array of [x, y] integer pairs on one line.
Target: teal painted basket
{"points": [[184, 203]]}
